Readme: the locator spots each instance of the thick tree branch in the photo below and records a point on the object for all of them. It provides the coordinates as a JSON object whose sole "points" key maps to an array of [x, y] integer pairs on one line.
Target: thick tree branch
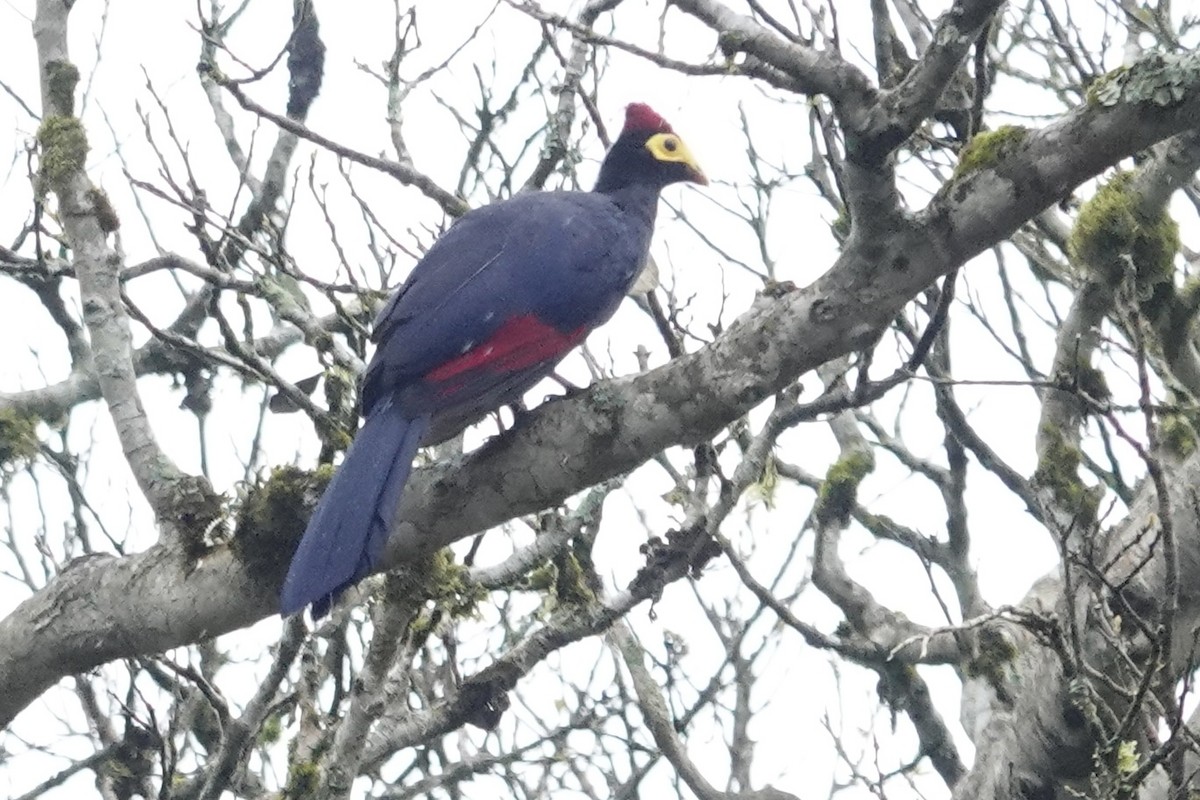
{"points": [[915, 98], [98, 267], [814, 71], [1040, 740]]}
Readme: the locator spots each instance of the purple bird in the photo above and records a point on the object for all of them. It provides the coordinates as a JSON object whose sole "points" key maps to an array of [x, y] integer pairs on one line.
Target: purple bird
{"points": [[499, 299]]}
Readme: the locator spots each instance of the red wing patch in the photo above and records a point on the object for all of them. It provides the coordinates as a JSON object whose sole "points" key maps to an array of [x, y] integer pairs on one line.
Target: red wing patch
{"points": [[518, 344]]}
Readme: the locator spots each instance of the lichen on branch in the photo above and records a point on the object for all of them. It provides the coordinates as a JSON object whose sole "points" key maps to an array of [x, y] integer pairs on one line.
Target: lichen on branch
{"points": [[1159, 78]]}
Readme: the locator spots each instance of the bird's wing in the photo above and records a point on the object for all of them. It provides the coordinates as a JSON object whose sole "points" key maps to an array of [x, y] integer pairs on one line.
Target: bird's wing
{"points": [[508, 287]]}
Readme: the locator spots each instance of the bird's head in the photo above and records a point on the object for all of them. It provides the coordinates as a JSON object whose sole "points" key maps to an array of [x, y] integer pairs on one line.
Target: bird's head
{"points": [[648, 151]]}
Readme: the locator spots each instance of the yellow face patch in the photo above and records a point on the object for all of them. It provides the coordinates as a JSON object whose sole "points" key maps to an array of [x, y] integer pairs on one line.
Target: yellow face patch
{"points": [[669, 147]]}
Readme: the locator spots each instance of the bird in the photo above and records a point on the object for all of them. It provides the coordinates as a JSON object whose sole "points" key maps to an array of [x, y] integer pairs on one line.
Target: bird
{"points": [[494, 304]]}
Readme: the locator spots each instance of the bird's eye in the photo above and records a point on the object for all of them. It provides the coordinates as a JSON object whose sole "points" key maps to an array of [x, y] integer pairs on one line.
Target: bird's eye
{"points": [[670, 145]]}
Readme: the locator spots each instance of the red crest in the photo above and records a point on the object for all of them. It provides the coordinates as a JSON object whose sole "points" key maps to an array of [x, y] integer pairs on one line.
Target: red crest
{"points": [[641, 118]]}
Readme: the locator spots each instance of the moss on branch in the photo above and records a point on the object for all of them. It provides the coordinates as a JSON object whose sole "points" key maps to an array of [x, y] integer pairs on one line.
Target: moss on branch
{"points": [[1058, 471], [989, 148], [102, 208], [1177, 435], [272, 516], [1113, 230], [64, 149], [448, 584], [61, 79], [18, 438], [839, 491]]}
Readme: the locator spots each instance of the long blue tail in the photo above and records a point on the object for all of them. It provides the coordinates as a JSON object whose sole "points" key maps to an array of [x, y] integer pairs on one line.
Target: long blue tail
{"points": [[347, 532]]}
